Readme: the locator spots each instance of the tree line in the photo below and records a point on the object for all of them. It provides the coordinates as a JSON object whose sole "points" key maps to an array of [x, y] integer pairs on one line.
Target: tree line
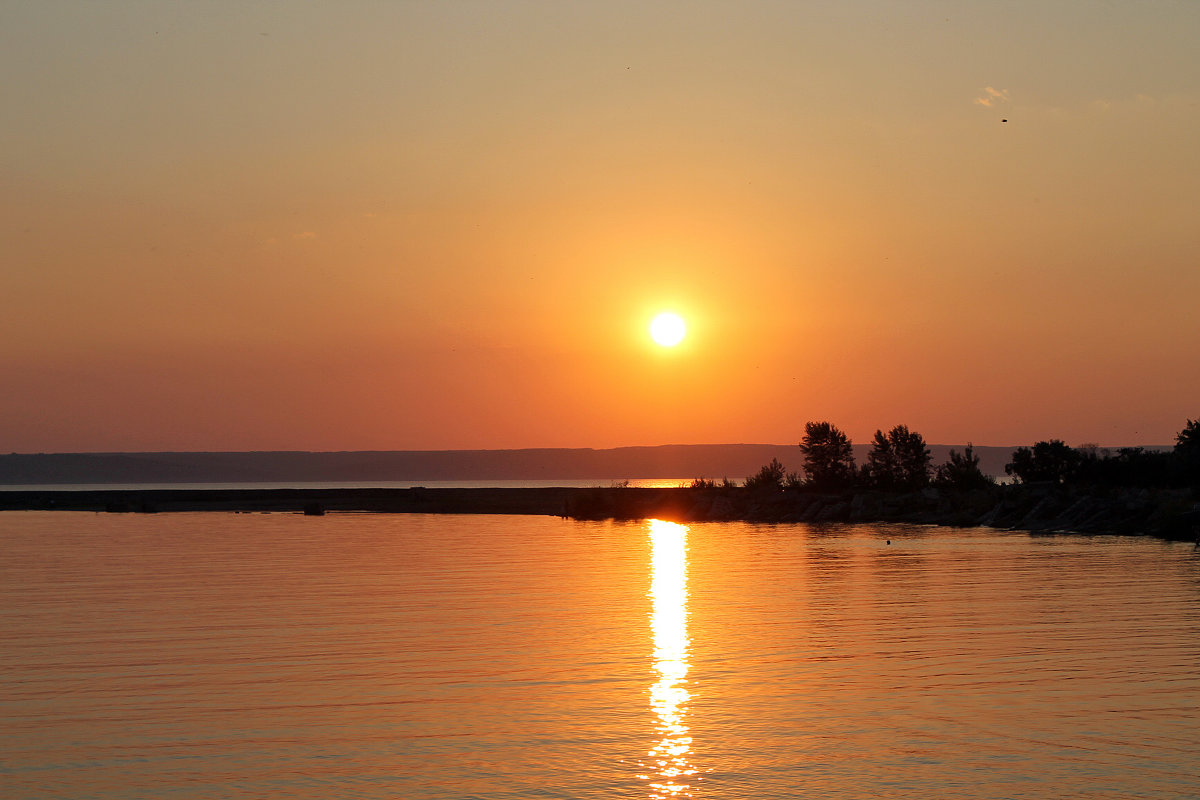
{"points": [[899, 460]]}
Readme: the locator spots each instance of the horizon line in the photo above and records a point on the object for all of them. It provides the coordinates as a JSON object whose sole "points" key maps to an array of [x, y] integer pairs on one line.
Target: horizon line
{"points": [[523, 449]]}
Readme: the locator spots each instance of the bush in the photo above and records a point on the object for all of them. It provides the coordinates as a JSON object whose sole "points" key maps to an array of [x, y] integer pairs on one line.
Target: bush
{"points": [[1051, 461], [769, 477], [962, 472]]}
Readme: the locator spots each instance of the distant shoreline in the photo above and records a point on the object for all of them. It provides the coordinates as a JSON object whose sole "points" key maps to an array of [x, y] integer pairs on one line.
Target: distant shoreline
{"points": [[1167, 514], [713, 461]]}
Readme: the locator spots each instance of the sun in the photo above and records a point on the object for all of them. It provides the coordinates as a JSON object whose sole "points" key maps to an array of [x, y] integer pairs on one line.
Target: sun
{"points": [[668, 329]]}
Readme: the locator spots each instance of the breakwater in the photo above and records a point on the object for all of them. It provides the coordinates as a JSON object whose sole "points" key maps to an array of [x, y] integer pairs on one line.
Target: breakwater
{"points": [[551, 501], [1166, 513]]}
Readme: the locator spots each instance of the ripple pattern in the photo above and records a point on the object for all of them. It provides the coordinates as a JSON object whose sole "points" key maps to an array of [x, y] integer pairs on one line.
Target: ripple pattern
{"points": [[438, 657]]}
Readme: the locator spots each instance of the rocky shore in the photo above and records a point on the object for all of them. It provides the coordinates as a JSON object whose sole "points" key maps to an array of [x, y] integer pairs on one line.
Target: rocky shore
{"points": [[418, 500], [1167, 513]]}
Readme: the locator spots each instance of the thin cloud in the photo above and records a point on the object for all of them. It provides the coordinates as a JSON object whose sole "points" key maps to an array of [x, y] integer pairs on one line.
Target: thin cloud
{"points": [[992, 96]]}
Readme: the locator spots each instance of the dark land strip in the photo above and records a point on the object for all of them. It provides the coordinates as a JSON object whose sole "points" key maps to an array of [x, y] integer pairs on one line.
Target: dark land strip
{"points": [[1166, 513], [406, 501]]}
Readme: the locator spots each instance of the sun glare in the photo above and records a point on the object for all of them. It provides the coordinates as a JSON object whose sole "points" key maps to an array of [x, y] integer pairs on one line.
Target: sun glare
{"points": [[668, 329], [670, 768]]}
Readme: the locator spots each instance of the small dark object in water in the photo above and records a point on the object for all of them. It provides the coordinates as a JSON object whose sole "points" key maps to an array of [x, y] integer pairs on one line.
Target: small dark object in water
{"points": [[314, 510], [889, 541], [1004, 120]]}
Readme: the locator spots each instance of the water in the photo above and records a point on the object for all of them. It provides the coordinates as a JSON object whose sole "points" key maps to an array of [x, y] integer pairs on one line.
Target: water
{"points": [[418, 657], [490, 483]]}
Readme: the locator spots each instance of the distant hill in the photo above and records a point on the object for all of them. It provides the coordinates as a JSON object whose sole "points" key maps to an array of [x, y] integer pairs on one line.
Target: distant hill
{"points": [[734, 461]]}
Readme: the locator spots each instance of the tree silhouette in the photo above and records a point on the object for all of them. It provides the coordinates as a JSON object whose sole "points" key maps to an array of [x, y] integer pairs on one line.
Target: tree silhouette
{"points": [[1187, 441], [1129, 466], [897, 460], [962, 472], [882, 466], [770, 476], [1048, 461], [1187, 451], [828, 456]]}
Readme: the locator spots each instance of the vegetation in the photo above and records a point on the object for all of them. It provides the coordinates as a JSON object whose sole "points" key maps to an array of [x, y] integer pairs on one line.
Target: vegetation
{"points": [[962, 472], [1089, 466], [1187, 451], [828, 457], [1129, 466], [708, 484], [1055, 487], [1187, 441], [899, 460], [1051, 461], [770, 477]]}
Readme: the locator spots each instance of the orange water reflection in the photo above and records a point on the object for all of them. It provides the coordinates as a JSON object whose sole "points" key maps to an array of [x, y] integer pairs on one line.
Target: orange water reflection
{"points": [[667, 762]]}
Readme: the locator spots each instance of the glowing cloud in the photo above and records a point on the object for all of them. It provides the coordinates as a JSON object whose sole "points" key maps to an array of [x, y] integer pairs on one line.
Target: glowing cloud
{"points": [[992, 96]]}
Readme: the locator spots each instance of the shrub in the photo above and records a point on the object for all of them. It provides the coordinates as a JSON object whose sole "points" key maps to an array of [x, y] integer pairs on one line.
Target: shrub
{"points": [[962, 472], [771, 476], [1050, 461]]}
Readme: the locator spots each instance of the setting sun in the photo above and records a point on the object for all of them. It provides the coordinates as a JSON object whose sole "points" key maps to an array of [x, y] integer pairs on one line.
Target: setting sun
{"points": [[668, 329]]}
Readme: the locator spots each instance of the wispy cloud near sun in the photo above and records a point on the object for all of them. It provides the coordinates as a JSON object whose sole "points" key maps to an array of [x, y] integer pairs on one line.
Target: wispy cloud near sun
{"points": [[991, 97]]}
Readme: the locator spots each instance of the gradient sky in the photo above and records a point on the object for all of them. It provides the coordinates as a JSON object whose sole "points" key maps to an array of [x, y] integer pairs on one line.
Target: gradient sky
{"points": [[420, 225]]}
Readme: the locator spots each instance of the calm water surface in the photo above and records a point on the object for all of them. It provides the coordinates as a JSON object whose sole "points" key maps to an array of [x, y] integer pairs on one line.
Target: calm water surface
{"points": [[489, 483], [417, 657]]}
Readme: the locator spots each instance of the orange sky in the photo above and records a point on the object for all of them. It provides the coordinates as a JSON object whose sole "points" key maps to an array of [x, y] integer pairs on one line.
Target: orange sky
{"points": [[447, 225]]}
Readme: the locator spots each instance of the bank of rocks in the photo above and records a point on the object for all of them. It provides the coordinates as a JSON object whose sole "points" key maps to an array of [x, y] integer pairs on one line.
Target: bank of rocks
{"points": [[1167, 513]]}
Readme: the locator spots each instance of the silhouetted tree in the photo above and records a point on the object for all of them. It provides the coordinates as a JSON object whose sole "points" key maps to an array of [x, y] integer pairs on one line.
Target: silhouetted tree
{"points": [[882, 465], [771, 476], [1048, 461], [1187, 441], [962, 472], [1187, 451], [897, 460], [828, 456], [1129, 466]]}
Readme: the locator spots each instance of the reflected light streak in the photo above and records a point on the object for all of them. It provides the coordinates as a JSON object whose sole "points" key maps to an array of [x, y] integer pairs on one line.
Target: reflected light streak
{"points": [[668, 760]]}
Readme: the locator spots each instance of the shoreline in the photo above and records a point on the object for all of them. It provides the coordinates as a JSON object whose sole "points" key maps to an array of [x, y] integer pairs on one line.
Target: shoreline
{"points": [[1170, 514], [418, 500]]}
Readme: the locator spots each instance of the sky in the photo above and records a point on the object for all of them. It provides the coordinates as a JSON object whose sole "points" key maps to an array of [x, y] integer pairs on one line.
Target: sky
{"points": [[447, 225]]}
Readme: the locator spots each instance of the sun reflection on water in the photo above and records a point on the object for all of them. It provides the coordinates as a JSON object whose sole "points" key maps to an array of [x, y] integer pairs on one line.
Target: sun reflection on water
{"points": [[668, 760]]}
